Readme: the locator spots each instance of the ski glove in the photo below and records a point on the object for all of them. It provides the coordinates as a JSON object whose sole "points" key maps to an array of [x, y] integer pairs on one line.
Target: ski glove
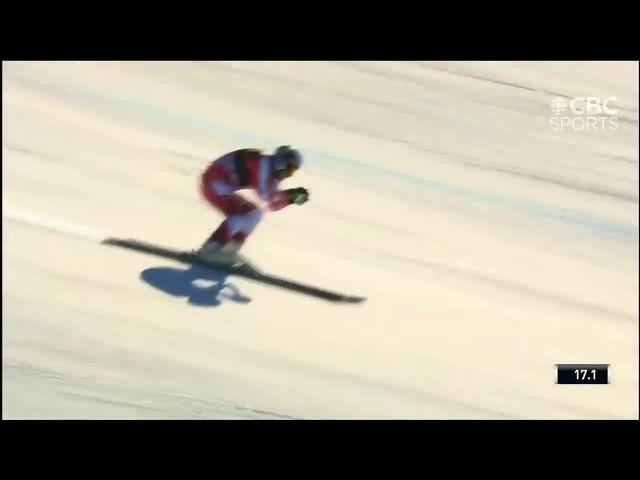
{"points": [[298, 195]]}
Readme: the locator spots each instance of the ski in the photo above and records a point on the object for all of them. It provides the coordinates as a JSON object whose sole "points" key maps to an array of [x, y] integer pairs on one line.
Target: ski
{"points": [[240, 267]]}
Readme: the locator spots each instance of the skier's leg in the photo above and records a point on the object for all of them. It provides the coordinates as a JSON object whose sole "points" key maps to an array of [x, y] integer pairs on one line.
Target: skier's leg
{"points": [[230, 236], [219, 235], [242, 218], [240, 226], [217, 193]]}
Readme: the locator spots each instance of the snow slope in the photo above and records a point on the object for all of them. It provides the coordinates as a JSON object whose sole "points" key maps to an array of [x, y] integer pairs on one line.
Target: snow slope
{"points": [[490, 246]]}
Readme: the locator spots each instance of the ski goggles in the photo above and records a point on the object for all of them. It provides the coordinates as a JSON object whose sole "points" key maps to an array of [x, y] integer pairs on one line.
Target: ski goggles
{"points": [[292, 168]]}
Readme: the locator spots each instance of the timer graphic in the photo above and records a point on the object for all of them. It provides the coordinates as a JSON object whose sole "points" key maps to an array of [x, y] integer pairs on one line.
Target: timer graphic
{"points": [[582, 374]]}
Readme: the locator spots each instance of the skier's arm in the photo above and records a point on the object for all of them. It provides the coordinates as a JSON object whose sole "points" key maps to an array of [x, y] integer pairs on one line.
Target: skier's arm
{"points": [[277, 199]]}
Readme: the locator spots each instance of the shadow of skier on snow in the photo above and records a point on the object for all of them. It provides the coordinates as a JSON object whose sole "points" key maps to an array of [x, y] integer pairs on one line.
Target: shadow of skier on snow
{"points": [[202, 286]]}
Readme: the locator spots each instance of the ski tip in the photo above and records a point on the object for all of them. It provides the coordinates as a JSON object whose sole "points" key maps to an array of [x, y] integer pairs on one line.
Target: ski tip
{"points": [[352, 299], [112, 241], [125, 243]]}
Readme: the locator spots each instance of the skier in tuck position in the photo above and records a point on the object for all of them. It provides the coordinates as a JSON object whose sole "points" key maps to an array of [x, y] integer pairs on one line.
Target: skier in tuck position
{"points": [[247, 169]]}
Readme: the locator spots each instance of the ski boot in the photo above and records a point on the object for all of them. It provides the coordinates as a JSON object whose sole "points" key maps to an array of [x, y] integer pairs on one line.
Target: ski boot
{"points": [[225, 255]]}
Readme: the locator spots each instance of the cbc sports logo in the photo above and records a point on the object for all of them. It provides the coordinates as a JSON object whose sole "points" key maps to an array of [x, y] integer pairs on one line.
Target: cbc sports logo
{"points": [[584, 114]]}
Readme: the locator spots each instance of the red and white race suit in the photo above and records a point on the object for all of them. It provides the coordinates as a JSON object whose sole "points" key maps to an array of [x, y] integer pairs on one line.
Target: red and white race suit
{"points": [[239, 170]]}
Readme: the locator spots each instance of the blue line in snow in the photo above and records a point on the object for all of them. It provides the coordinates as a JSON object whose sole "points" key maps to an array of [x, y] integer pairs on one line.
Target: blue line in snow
{"points": [[165, 115]]}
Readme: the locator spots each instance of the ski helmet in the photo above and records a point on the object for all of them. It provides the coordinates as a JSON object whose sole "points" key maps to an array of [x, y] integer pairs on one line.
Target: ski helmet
{"points": [[287, 159]]}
